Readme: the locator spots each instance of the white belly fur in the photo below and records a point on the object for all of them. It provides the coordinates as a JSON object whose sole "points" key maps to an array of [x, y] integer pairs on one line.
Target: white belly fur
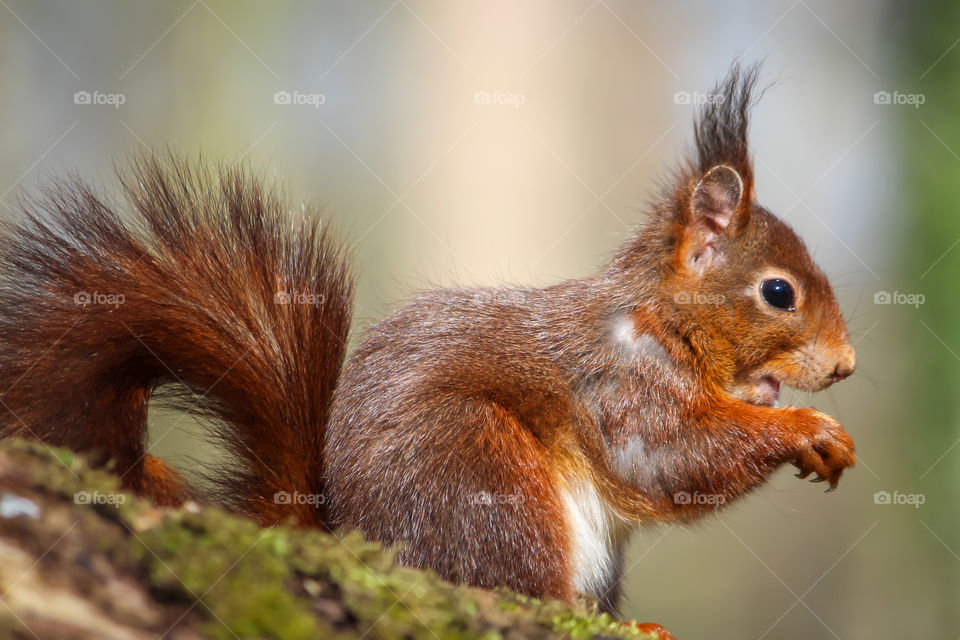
{"points": [[597, 534]]}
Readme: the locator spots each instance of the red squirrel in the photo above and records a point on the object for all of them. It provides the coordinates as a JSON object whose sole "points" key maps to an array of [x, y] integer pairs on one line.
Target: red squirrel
{"points": [[505, 437]]}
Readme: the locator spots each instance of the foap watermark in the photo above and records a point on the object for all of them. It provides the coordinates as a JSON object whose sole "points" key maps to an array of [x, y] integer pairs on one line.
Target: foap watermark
{"points": [[99, 98], [500, 297], [297, 98], [85, 298], [96, 497], [487, 498], [697, 297], [697, 98], [912, 499], [298, 297], [286, 497], [685, 497], [515, 100], [899, 297], [899, 98]]}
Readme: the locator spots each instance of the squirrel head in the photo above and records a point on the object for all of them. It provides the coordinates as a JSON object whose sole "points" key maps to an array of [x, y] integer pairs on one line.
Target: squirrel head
{"points": [[734, 281]]}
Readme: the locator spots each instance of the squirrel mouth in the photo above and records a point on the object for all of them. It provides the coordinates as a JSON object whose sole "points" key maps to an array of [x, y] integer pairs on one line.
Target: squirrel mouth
{"points": [[768, 391]]}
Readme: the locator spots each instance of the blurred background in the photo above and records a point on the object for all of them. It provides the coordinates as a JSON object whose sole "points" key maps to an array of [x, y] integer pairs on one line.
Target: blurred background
{"points": [[502, 141]]}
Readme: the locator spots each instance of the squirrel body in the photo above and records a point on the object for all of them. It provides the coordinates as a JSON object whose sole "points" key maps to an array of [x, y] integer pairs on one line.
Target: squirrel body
{"points": [[506, 437]]}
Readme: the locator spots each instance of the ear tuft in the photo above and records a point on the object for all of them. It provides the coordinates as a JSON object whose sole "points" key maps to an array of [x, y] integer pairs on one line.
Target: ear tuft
{"points": [[717, 197], [720, 129]]}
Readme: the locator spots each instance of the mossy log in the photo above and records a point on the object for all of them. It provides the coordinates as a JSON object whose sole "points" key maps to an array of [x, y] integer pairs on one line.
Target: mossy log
{"points": [[81, 559]]}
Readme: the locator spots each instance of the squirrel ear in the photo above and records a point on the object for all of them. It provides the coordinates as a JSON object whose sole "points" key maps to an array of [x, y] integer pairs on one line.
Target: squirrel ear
{"points": [[716, 197], [713, 207]]}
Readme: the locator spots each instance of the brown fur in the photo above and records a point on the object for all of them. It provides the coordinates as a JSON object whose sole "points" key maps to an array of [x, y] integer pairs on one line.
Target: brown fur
{"points": [[198, 266], [462, 419]]}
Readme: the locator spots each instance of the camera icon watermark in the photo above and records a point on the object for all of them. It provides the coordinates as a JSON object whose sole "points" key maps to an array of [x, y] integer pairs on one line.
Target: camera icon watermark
{"points": [[96, 497], [298, 297], [488, 498], [499, 296], [898, 98], [914, 500], [708, 499], [697, 297], [515, 100], [898, 297], [85, 298], [115, 100], [697, 98], [286, 497], [297, 98]]}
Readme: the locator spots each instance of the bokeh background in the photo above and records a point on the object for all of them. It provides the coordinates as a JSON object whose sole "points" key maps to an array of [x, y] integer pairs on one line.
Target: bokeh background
{"points": [[857, 145]]}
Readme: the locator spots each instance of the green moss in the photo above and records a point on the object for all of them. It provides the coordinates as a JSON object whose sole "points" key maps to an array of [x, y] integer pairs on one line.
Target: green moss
{"points": [[284, 582]]}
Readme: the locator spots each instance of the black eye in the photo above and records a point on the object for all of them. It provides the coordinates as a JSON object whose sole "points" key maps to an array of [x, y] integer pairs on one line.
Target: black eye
{"points": [[778, 293]]}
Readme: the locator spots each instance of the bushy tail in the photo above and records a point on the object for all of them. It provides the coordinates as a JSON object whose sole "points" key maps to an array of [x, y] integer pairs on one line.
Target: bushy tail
{"points": [[212, 282]]}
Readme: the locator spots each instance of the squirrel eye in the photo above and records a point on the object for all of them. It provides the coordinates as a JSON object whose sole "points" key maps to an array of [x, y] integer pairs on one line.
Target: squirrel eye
{"points": [[778, 293]]}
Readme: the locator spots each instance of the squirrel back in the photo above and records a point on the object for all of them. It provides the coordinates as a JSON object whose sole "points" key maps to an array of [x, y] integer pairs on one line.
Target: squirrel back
{"points": [[197, 287]]}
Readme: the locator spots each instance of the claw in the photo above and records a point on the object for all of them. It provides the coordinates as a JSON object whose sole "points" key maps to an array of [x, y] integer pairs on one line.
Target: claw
{"points": [[803, 474], [835, 482], [819, 478]]}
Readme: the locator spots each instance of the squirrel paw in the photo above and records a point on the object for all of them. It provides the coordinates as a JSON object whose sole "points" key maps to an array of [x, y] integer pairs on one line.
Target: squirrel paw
{"points": [[824, 448], [651, 628]]}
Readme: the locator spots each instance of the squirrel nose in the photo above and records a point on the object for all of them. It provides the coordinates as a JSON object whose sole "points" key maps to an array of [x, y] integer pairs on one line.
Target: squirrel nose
{"points": [[846, 365]]}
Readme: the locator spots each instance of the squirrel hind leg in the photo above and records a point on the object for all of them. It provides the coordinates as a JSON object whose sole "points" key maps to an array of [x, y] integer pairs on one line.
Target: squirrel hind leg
{"points": [[155, 479], [481, 505]]}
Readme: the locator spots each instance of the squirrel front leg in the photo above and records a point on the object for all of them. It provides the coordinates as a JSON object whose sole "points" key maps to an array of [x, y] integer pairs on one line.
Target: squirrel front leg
{"points": [[728, 447]]}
